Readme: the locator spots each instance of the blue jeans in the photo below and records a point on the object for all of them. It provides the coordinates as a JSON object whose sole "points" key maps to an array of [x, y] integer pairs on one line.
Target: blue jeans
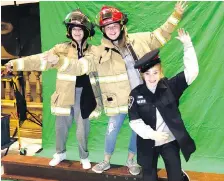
{"points": [[114, 126]]}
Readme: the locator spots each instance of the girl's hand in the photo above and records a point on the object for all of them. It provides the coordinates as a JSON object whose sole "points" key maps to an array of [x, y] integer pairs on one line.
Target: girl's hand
{"points": [[183, 36], [180, 7]]}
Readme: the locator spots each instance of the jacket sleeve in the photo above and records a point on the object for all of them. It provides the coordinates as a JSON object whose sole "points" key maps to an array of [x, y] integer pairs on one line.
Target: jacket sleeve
{"points": [[161, 35], [91, 57], [86, 64], [135, 121], [178, 84], [37, 62], [182, 80], [191, 68]]}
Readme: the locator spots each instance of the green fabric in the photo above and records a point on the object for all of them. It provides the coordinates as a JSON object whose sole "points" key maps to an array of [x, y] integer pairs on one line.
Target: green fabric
{"points": [[201, 105]]}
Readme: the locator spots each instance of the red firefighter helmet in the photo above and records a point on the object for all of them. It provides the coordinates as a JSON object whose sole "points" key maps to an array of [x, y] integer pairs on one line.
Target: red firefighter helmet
{"points": [[109, 15]]}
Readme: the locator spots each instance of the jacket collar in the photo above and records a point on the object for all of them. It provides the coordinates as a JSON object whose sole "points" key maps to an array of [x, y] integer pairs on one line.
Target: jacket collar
{"points": [[74, 50], [84, 46], [130, 39], [107, 43], [161, 84]]}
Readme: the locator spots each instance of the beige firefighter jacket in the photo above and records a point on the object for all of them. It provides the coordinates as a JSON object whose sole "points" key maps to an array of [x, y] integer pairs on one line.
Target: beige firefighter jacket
{"points": [[110, 66], [68, 68], [112, 73]]}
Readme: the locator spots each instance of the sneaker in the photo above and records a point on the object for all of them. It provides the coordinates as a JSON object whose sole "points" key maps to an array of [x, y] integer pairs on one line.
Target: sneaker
{"points": [[100, 167], [57, 158], [133, 167], [185, 176], [85, 163]]}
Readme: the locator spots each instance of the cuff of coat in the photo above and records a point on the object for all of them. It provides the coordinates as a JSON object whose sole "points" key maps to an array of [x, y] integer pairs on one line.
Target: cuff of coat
{"points": [[18, 64], [84, 65], [174, 18], [177, 15], [150, 132], [62, 64]]}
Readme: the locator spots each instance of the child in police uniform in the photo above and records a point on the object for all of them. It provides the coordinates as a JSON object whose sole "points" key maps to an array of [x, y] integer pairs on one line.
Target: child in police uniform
{"points": [[154, 113]]}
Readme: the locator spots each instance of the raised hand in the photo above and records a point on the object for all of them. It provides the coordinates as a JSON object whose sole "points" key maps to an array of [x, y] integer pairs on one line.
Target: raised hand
{"points": [[180, 7], [183, 36]]}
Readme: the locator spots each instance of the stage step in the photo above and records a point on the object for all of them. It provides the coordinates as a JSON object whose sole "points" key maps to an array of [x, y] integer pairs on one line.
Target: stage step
{"points": [[24, 178], [34, 168], [27, 168]]}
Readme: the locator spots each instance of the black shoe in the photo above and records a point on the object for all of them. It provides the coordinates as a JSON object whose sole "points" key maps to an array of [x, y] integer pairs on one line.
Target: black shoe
{"points": [[185, 176]]}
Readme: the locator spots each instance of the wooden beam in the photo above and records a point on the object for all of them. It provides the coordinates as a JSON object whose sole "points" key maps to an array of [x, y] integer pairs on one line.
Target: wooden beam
{"points": [[38, 168]]}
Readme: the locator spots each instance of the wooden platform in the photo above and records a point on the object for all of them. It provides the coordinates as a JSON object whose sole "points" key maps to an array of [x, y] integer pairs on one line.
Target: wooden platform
{"points": [[37, 168]]}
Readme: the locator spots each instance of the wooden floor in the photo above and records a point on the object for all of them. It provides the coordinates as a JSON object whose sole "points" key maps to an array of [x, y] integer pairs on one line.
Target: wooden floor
{"points": [[199, 176], [37, 168]]}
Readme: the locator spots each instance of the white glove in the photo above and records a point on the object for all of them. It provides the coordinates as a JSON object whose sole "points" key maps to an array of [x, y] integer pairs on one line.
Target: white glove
{"points": [[184, 37], [159, 136]]}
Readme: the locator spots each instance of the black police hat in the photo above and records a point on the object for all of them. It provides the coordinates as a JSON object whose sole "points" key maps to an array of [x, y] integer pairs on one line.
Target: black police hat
{"points": [[148, 61]]}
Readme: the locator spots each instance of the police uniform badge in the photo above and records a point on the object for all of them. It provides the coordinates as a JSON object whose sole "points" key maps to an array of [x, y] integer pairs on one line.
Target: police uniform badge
{"points": [[130, 101]]}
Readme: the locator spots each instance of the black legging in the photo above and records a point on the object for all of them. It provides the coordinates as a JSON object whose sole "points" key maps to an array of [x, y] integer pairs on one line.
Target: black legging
{"points": [[170, 153]]}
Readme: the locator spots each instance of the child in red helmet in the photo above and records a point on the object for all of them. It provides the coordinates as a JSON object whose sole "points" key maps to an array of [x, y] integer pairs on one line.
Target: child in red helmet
{"points": [[114, 61]]}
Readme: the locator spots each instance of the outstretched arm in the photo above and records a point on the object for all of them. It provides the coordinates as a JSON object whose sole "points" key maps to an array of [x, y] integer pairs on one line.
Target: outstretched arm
{"points": [[181, 81], [38, 62], [191, 68], [162, 35], [86, 64]]}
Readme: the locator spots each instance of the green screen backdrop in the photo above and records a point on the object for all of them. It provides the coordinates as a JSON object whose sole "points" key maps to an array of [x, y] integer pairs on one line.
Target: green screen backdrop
{"points": [[202, 105]]}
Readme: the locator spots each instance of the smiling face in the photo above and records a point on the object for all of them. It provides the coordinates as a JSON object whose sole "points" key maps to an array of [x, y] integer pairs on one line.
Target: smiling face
{"points": [[77, 34], [112, 30], [152, 76]]}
